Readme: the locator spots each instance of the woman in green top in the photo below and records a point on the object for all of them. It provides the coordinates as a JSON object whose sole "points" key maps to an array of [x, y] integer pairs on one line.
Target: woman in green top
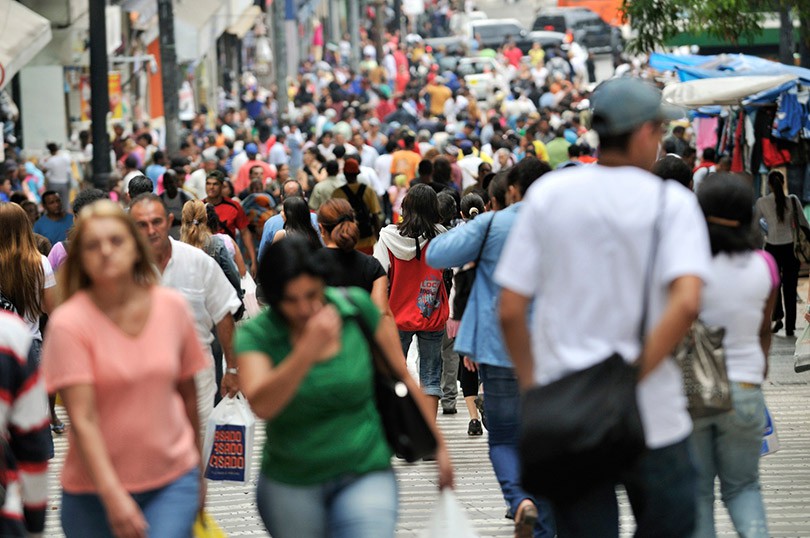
{"points": [[305, 368]]}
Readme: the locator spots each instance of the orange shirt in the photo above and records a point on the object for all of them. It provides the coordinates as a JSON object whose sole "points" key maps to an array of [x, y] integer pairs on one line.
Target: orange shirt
{"points": [[141, 415], [406, 162]]}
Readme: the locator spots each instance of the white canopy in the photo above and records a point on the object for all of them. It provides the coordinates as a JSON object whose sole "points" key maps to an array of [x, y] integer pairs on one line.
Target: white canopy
{"points": [[24, 34], [722, 90]]}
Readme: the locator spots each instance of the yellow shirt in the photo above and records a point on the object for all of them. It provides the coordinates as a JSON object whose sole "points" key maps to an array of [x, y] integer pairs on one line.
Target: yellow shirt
{"points": [[438, 96], [540, 150]]}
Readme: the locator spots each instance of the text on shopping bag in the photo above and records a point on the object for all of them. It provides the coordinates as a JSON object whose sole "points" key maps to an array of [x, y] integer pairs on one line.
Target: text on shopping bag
{"points": [[228, 454]]}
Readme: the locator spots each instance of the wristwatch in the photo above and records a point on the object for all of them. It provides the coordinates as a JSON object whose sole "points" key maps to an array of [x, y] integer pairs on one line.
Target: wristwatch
{"points": [[234, 371]]}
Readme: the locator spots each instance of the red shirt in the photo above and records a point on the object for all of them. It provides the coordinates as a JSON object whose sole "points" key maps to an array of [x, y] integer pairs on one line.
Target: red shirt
{"points": [[231, 215], [514, 56]]}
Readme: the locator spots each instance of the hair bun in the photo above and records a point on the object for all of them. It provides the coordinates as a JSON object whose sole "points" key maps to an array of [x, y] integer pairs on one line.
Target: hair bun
{"points": [[474, 211]]}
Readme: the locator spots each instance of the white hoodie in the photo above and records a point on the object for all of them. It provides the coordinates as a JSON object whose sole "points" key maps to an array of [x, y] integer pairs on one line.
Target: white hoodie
{"points": [[403, 248]]}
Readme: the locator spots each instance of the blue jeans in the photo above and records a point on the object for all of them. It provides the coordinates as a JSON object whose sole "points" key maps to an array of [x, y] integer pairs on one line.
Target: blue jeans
{"points": [[430, 358], [727, 446], [353, 506], [502, 407], [170, 510], [661, 489]]}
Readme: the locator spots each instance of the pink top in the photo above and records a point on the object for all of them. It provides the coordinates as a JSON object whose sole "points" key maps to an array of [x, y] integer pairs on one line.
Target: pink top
{"points": [[141, 414]]}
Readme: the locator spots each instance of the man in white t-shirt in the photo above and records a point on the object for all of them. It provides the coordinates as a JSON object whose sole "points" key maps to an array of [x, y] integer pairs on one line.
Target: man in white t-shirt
{"points": [[57, 174], [581, 247]]}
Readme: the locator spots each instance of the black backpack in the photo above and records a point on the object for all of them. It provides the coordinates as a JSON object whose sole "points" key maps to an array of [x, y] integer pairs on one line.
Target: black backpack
{"points": [[366, 221]]}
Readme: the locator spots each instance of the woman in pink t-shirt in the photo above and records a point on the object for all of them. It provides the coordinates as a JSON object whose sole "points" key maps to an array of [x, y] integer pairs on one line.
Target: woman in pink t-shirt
{"points": [[123, 352]]}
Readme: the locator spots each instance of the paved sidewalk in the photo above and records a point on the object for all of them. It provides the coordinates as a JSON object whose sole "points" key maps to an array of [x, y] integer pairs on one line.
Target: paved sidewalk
{"points": [[785, 475]]}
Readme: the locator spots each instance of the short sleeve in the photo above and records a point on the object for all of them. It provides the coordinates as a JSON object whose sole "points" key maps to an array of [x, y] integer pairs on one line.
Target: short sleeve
{"points": [[50, 280], [250, 336], [373, 269], [519, 264], [57, 255], [220, 296], [67, 351], [684, 247]]}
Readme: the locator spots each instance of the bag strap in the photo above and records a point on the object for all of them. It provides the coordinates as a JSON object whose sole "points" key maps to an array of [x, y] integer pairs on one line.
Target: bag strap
{"points": [[378, 357], [484, 242], [794, 202], [355, 199], [648, 277]]}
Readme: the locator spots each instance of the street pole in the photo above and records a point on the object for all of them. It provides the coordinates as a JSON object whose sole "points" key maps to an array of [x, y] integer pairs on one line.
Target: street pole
{"points": [[785, 36], [100, 96], [379, 24], [334, 22], [280, 56], [168, 64], [354, 34]]}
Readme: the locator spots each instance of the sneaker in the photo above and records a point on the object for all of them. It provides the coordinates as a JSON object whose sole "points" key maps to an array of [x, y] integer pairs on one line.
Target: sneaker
{"points": [[449, 410], [475, 428]]}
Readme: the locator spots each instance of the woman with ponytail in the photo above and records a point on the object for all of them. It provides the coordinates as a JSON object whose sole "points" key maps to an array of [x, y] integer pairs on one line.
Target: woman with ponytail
{"points": [[345, 265], [778, 210]]}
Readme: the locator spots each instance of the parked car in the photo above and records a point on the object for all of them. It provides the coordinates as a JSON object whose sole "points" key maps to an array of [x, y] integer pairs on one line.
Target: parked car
{"points": [[495, 32], [484, 76], [586, 26]]}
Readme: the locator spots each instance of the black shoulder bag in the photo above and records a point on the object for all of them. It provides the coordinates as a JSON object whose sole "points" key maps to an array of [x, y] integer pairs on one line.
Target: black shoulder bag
{"points": [[407, 432], [463, 280], [585, 428]]}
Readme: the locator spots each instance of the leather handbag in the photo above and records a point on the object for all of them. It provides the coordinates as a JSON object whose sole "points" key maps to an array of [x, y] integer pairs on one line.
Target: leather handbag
{"points": [[801, 235], [705, 377], [585, 428], [407, 432]]}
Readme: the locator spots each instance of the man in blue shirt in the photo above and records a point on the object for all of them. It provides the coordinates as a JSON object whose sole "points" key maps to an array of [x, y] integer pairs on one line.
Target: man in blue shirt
{"points": [[55, 223], [276, 222], [482, 344], [156, 169]]}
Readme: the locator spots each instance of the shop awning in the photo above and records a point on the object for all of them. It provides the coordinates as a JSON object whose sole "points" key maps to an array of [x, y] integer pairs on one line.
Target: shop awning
{"points": [[24, 34], [725, 90], [245, 21]]}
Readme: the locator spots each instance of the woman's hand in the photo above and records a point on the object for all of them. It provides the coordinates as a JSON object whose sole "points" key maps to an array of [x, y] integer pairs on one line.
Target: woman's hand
{"points": [[125, 516], [320, 339], [445, 467], [470, 365], [203, 492]]}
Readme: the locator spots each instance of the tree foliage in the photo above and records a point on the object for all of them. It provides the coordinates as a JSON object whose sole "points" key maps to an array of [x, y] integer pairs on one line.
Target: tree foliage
{"points": [[656, 21]]}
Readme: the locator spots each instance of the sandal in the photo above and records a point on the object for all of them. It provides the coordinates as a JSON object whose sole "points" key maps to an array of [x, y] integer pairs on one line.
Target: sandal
{"points": [[525, 519], [58, 427]]}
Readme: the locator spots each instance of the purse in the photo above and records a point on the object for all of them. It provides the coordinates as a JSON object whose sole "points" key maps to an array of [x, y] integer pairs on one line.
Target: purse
{"points": [[801, 235], [705, 377], [407, 432], [585, 428]]}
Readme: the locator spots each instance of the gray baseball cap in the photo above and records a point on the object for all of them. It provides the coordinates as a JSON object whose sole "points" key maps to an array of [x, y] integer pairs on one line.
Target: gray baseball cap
{"points": [[622, 104]]}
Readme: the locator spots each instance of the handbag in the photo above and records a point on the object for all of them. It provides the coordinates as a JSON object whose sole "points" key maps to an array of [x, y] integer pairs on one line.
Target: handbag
{"points": [[585, 428], [407, 432], [705, 377], [465, 278], [801, 235]]}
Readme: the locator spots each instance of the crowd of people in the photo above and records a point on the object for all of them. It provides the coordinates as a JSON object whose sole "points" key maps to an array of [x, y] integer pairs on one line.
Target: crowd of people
{"points": [[387, 198]]}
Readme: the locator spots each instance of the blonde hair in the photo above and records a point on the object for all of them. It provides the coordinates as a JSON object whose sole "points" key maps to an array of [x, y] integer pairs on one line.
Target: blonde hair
{"points": [[73, 277], [22, 278], [194, 228]]}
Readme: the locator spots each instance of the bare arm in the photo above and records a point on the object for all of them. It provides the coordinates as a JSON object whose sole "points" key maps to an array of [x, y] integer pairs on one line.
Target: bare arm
{"points": [[225, 328], [513, 314], [765, 334], [388, 339], [279, 235], [247, 237], [270, 388], [683, 307], [48, 300], [379, 296], [126, 518], [237, 258]]}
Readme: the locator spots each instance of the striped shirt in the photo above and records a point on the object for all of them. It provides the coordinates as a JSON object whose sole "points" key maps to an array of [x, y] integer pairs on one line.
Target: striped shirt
{"points": [[24, 426]]}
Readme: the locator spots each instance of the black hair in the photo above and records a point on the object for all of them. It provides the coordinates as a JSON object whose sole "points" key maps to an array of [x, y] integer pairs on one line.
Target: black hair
{"points": [[214, 224], [525, 172], [574, 151], [448, 208], [332, 168], [618, 142], [673, 167], [131, 162], [87, 197], [727, 198], [139, 185], [217, 175], [709, 154], [391, 146], [339, 152], [297, 221], [471, 206], [442, 171], [420, 213], [49, 193], [497, 188], [776, 181], [284, 261], [149, 197], [425, 167]]}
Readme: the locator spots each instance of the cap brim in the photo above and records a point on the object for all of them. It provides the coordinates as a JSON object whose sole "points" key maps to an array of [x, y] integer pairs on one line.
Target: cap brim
{"points": [[672, 112]]}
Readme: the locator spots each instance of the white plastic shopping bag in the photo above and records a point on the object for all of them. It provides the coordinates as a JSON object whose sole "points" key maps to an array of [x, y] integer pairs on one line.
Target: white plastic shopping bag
{"points": [[228, 447], [449, 519], [252, 308], [770, 441], [801, 357]]}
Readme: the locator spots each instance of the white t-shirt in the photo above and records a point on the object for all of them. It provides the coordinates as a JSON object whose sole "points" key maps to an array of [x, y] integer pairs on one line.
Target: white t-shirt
{"points": [[210, 295], [581, 246], [49, 282], [383, 168], [195, 184], [57, 168], [734, 297]]}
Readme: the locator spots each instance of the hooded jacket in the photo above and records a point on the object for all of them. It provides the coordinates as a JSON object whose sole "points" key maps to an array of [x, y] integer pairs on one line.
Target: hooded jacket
{"points": [[417, 294]]}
